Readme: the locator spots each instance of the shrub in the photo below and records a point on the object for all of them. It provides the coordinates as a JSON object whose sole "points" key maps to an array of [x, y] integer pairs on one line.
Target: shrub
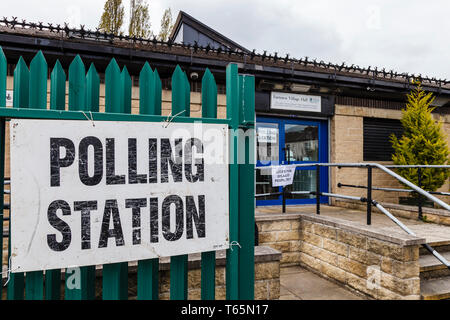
{"points": [[423, 142]]}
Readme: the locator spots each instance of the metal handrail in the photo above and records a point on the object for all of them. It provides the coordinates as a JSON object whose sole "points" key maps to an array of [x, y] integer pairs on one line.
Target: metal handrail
{"points": [[440, 193], [379, 166], [369, 199], [405, 228], [443, 166]]}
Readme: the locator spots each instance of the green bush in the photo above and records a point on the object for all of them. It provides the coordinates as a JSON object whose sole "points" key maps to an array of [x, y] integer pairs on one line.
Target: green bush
{"points": [[423, 142]]}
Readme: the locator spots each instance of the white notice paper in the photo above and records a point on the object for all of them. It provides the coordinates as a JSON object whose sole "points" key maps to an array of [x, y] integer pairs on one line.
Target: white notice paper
{"points": [[282, 175]]}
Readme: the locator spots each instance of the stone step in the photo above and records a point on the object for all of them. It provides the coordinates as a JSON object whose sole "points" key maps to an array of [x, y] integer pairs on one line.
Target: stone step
{"points": [[435, 289], [431, 267], [439, 246]]}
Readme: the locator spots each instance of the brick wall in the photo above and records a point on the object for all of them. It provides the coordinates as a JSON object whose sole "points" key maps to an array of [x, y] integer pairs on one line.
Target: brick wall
{"points": [[347, 146]]}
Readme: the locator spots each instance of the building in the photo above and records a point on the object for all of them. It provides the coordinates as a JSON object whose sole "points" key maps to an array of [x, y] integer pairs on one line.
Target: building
{"points": [[307, 110]]}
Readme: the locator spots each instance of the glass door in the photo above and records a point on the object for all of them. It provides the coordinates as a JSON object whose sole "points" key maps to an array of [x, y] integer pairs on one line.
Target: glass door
{"points": [[268, 154], [297, 142]]}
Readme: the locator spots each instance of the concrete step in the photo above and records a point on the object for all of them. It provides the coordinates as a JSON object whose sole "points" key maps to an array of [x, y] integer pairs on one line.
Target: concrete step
{"points": [[431, 267], [435, 289], [439, 246]]}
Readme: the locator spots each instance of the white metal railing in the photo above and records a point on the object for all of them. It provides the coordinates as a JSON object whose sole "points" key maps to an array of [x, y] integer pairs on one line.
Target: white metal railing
{"points": [[370, 202]]}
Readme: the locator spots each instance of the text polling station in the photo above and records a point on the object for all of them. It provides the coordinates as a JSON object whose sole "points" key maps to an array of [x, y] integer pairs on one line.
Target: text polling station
{"points": [[85, 194]]}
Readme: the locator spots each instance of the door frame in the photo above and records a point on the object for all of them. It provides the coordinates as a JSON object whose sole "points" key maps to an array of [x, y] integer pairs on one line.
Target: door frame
{"points": [[323, 156]]}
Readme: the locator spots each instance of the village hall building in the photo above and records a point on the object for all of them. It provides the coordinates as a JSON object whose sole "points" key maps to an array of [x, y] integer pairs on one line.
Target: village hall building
{"points": [[341, 113], [307, 111]]}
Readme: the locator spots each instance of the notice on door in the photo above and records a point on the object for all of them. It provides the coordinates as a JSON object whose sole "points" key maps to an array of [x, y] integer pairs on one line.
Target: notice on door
{"points": [[282, 175], [84, 194], [267, 135]]}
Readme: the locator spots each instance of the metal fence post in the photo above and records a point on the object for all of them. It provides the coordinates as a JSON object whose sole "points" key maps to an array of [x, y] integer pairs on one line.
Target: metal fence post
{"points": [[369, 195], [232, 266], [317, 189], [283, 194], [419, 182], [247, 190]]}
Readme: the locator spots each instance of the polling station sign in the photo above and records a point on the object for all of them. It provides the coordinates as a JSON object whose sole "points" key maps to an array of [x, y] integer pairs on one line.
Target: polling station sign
{"points": [[85, 193]]}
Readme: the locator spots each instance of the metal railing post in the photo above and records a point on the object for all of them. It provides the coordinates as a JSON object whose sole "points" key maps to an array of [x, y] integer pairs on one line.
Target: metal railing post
{"points": [[287, 159], [369, 195], [317, 189], [420, 199]]}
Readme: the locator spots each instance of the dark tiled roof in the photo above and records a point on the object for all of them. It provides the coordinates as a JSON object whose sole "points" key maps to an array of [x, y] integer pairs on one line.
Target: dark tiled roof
{"points": [[258, 60]]}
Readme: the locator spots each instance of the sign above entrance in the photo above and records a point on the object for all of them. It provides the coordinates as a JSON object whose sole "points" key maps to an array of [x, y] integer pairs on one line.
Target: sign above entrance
{"points": [[85, 194], [295, 102]]}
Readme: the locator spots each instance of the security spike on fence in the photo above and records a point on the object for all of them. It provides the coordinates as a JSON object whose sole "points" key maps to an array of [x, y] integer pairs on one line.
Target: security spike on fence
{"points": [[126, 90], [112, 87], [187, 96], [149, 91], [58, 87], [34, 281], [146, 90], [92, 89], [180, 105], [3, 68], [77, 85], [81, 32], [158, 92], [21, 93], [114, 274], [38, 82], [209, 110], [209, 95]]}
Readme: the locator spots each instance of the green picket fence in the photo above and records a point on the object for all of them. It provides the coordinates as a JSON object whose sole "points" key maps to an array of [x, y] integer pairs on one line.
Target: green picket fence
{"points": [[30, 101]]}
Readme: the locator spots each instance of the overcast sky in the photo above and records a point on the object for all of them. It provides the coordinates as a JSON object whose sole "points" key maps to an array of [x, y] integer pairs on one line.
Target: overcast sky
{"points": [[407, 36]]}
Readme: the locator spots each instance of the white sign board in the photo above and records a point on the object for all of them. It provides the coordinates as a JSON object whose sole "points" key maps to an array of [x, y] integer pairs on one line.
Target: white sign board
{"points": [[267, 135], [282, 175], [295, 102], [85, 193]]}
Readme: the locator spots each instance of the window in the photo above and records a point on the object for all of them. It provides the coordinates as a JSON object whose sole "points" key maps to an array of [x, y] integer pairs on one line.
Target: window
{"points": [[377, 144]]}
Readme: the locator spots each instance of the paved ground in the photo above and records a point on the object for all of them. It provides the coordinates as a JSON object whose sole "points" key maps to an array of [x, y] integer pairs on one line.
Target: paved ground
{"points": [[380, 222], [300, 284]]}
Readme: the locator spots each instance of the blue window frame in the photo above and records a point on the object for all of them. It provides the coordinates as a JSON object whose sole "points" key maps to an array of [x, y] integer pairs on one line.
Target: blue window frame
{"points": [[308, 138]]}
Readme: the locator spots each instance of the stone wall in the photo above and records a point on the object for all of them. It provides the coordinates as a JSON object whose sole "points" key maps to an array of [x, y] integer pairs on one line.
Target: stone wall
{"points": [[358, 257], [281, 232]]}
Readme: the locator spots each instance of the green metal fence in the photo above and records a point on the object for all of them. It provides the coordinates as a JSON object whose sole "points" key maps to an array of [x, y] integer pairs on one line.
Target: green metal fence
{"points": [[30, 101]]}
